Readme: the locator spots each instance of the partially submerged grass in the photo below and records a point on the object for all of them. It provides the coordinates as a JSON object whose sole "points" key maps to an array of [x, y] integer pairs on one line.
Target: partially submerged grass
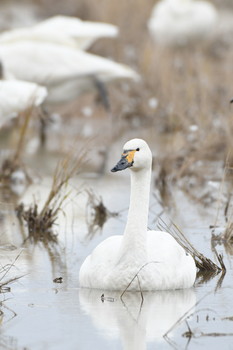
{"points": [[4, 280], [207, 268], [196, 333], [203, 263], [39, 225], [225, 235], [96, 213], [4, 310], [40, 222], [199, 315]]}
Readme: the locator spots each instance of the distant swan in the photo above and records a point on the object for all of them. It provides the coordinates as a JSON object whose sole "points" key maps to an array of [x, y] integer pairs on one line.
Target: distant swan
{"points": [[84, 33], [177, 22], [65, 71], [160, 262], [16, 96], [62, 30]]}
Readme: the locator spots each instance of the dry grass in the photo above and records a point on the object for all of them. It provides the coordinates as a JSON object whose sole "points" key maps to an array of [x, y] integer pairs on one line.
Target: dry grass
{"points": [[203, 263], [40, 223], [4, 280], [227, 235], [224, 208], [193, 87], [15, 162], [193, 84]]}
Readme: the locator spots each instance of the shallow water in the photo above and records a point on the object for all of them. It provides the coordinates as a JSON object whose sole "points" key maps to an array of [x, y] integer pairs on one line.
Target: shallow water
{"points": [[39, 314], [42, 314]]}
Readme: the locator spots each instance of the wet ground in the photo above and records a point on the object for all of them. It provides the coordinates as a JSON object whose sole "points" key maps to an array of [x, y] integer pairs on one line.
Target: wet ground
{"points": [[41, 313]]}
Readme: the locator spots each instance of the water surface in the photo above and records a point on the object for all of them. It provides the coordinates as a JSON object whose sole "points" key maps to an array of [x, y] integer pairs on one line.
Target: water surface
{"points": [[39, 313]]}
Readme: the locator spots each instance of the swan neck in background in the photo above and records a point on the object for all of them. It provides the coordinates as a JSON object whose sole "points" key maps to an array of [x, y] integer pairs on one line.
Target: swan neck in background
{"points": [[135, 234]]}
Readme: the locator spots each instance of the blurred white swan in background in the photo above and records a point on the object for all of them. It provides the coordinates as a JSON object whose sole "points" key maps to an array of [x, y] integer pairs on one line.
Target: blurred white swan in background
{"points": [[135, 323], [177, 22], [84, 33], [63, 30], [155, 256], [66, 72], [16, 96]]}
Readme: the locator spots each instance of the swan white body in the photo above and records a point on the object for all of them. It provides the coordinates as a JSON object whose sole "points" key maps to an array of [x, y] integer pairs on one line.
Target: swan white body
{"points": [[84, 33], [65, 71], [63, 30], [180, 21], [16, 96], [160, 262]]}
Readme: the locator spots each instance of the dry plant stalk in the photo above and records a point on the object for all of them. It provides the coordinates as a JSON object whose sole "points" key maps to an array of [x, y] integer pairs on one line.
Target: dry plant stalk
{"points": [[15, 162], [226, 236], [228, 233], [19, 150], [203, 263], [4, 270], [139, 284], [40, 222]]}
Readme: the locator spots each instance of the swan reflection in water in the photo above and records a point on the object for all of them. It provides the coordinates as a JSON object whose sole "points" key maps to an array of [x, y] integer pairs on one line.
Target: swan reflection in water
{"points": [[134, 322]]}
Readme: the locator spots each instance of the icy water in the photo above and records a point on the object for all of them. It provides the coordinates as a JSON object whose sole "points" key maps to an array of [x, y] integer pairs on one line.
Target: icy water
{"points": [[41, 314]]}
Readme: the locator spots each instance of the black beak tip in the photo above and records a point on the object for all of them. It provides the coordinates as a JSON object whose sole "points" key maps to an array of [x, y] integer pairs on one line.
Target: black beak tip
{"points": [[113, 170]]}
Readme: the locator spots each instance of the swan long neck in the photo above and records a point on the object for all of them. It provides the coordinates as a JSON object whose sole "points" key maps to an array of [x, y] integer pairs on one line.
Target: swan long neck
{"points": [[134, 239]]}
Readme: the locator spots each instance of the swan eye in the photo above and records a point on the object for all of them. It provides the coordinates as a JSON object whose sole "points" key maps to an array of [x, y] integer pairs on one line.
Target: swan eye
{"points": [[137, 149]]}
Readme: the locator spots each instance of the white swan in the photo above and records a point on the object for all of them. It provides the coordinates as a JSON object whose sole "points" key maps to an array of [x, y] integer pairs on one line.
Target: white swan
{"points": [[65, 71], [63, 30], [16, 96], [84, 33], [180, 21], [160, 262]]}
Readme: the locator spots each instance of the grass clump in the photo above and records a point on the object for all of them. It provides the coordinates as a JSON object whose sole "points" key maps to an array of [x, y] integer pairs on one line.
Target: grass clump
{"points": [[40, 222]]}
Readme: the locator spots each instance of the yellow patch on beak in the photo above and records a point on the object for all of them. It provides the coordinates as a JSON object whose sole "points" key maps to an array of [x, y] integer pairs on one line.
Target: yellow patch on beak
{"points": [[130, 156]]}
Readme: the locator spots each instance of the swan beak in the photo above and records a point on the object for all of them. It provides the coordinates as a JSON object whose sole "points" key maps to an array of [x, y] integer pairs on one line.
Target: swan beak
{"points": [[126, 161]]}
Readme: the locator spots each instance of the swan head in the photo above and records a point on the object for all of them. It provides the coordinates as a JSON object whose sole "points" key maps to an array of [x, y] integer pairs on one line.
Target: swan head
{"points": [[136, 156]]}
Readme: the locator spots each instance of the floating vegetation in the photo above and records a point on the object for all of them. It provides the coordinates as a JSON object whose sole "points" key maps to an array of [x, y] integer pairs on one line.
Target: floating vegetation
{"points": [[96, 213], [103, 298], [40, 223], [58, 280], [203, 263]]}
